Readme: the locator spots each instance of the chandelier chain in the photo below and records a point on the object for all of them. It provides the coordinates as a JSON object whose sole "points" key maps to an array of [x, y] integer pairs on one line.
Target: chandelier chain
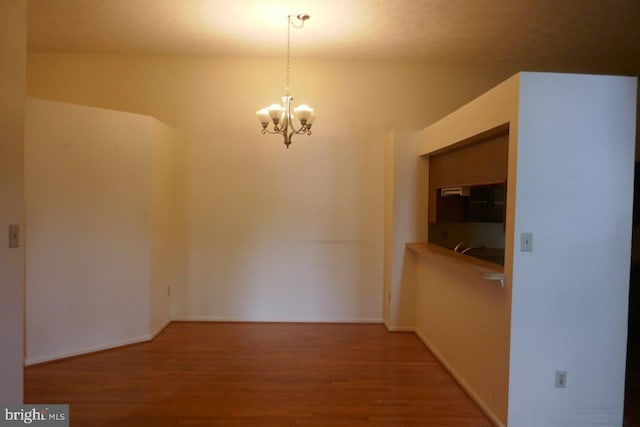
{"points": [[288, 53]]}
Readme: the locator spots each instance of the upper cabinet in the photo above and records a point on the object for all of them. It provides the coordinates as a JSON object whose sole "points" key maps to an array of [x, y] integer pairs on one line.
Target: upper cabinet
{"points": [[471, 165]]}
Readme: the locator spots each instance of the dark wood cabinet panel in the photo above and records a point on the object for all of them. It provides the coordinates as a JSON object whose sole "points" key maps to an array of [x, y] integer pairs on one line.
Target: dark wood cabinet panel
{"points": [[452, 208], [478, 161]]}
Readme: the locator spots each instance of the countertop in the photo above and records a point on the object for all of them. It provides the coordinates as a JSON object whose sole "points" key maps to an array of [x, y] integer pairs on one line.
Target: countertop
{"points": [[488, 269]]}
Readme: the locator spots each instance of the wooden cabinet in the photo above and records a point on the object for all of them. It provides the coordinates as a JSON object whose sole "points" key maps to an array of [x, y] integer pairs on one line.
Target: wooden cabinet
{"points": [[479, 160], [481, 204]]}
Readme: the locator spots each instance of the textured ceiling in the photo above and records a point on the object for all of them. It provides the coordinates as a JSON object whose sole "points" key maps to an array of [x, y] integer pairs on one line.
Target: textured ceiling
{"points": [[588, 34]]}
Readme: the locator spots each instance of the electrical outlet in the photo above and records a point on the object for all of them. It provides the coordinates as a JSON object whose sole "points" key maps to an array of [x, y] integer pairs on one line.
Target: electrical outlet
{"points": [[168, 290], [14, 236], [561, 379], [526, 242]]}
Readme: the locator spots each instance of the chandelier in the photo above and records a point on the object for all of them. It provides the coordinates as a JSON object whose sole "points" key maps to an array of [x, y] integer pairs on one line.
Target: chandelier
{"points": [[280, 114]]}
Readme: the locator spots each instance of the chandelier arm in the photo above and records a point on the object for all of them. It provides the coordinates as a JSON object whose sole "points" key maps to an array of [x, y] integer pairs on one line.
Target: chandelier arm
{"points": [[292, 128], [302, 130]]}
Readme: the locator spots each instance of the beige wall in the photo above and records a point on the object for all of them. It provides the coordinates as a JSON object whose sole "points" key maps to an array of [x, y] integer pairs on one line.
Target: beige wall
{"points": [[161, 237], [180, 179], [462, 317], [406, 188], [465, 320], [270, 233], [12, 88], [98, 210], [638, 122], [506, 344], [570, 294]]}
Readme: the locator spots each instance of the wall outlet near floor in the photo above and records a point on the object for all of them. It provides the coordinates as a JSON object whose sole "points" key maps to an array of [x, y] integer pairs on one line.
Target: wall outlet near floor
{"points": [[561, 379], [168, 290]]}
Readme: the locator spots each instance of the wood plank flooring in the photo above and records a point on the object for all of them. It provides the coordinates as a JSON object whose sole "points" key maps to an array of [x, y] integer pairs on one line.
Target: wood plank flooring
{"points": [[258, 374]]}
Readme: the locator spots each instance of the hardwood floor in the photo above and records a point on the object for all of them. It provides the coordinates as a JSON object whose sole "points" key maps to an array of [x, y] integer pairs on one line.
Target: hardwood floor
{"points": [[258, 374]]}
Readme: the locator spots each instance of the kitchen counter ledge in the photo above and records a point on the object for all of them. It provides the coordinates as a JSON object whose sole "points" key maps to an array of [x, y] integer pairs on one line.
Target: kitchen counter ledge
{"points": [[490, 271]]}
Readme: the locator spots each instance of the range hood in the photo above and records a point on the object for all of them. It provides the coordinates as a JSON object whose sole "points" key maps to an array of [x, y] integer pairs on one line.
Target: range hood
{"points": [[455, 191]]}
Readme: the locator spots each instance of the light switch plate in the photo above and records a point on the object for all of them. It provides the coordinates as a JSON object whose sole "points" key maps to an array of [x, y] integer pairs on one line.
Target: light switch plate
{"points": [[526, 242], [14, 235]]}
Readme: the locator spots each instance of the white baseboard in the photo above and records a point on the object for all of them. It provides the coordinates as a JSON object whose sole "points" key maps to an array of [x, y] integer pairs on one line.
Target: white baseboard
{"points": [[93, 349], [160, 329], [398, 328], [268, 320], [87, 350], [472, 394]]}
